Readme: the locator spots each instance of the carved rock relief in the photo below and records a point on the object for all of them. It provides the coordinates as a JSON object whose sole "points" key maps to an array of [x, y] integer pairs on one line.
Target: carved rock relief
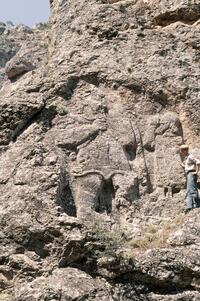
{"points": [[112, 159]]}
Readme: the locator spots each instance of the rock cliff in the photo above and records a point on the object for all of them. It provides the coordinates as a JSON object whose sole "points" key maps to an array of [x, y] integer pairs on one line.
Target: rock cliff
{"points": [[94, 106]]}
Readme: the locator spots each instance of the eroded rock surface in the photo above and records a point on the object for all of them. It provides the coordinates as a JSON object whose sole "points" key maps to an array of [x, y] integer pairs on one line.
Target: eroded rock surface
{"points": [[22, 50], [94, 107]]}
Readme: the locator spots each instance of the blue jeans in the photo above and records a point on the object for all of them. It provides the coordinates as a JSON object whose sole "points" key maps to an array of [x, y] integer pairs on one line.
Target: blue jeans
{"points": [[192, 199]]}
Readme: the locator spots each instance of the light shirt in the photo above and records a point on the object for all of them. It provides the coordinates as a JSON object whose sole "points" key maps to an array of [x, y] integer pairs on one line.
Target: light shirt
{"points": [[191, 163]]}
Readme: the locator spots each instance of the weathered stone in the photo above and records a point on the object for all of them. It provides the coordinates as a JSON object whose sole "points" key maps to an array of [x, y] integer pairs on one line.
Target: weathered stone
{"points": [[94, 107], [66, 284], [22, 49], [16, 112]]}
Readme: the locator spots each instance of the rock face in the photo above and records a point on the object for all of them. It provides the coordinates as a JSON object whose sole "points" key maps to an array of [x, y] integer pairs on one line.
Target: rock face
{"points": [[94, 107], [22, 50]]}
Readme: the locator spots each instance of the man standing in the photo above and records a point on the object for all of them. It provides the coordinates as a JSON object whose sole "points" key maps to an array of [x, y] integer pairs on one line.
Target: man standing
{"points": [[191, 166]]}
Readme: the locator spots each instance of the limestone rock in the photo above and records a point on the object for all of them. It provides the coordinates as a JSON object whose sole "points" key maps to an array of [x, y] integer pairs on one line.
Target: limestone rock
{"points": [[16, 112], [22, 50], [66, 284], [94, 106]]}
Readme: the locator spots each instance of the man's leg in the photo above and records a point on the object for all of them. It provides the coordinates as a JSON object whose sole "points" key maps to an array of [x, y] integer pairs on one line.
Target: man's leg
{"points": [[192, 191], [196, 195]]}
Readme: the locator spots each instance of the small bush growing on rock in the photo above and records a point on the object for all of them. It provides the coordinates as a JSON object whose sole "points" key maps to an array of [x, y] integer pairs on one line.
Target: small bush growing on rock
{"points": [[61, 110], [191, 2], [109, 240]]}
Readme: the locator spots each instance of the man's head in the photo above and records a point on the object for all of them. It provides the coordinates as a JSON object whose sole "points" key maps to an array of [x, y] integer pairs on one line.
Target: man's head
{"points": [[184, 149]]}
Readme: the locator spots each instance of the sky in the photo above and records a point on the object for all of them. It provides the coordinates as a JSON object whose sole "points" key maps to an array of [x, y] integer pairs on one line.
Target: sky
{"points": [[28, 12]]}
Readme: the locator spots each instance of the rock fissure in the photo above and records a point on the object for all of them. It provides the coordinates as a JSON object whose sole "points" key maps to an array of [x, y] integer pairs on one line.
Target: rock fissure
{"points": [[23, 127], [186, 15]]}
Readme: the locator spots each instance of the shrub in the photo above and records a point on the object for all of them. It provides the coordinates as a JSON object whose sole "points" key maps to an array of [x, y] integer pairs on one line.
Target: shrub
{"points": [[61, 110], [110, 240]]}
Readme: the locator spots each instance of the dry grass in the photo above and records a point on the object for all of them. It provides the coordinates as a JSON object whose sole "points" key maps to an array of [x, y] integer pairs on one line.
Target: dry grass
{"points": [[154, 236]]}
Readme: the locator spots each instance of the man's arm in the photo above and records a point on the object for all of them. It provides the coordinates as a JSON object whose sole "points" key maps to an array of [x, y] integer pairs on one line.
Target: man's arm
{"points": [[197, 163], [197, 166]]}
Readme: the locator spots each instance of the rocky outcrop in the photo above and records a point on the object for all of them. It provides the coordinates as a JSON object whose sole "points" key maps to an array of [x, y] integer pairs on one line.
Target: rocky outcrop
{"points": [[22, 49], [94, 107]]}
